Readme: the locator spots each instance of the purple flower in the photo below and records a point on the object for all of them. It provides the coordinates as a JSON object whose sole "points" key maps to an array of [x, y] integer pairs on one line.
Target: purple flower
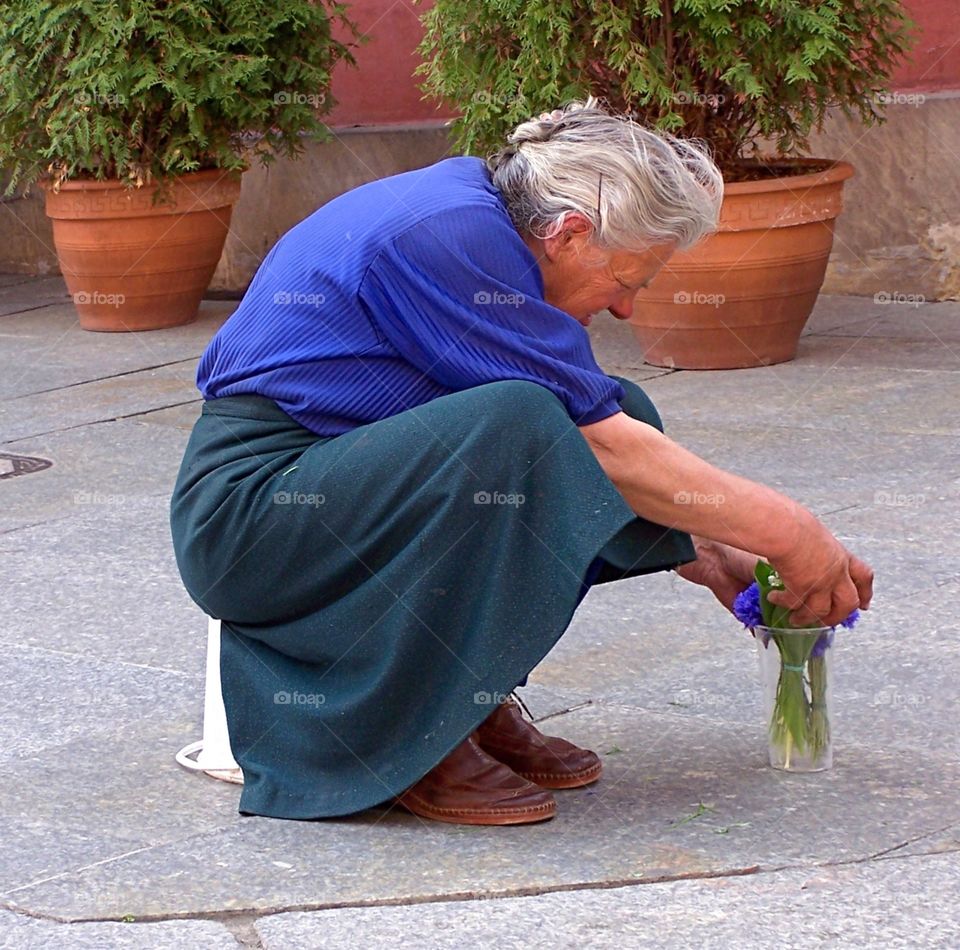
{"points": [[746, 607], [852, 619], [822, 645]]}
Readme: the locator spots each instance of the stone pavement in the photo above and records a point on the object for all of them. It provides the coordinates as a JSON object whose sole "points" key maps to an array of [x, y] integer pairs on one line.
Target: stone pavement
{"points": [[688, 840]]}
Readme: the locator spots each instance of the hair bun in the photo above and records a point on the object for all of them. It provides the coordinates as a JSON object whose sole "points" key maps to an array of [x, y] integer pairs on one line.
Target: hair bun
{"points": [[544, 127], [536, 130]]}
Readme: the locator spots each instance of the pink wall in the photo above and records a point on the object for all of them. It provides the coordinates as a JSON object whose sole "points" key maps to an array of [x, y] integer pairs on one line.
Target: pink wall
{"points": [[934, 64], [382, 91]]}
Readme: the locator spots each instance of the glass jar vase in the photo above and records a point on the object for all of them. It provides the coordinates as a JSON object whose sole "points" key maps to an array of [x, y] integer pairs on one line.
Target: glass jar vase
{"points": [[796, 674]]}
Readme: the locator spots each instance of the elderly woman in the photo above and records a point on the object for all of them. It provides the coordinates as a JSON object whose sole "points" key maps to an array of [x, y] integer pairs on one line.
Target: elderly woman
{"points": [[409, 469]]}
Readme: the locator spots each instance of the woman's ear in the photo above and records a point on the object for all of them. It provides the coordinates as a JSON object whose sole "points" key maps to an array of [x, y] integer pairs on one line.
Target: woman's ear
{"points": [[573, 235]]}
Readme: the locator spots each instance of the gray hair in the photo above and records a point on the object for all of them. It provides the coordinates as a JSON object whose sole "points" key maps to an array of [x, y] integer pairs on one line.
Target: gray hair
{"points": [[636, 186]]}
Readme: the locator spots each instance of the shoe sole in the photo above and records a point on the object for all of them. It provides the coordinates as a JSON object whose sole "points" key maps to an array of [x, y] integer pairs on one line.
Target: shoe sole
{"points": [[559, 780], [452, 816]]}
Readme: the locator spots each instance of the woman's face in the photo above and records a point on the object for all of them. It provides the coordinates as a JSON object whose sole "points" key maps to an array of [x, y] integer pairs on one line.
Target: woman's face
{"points": [[582, 279]]}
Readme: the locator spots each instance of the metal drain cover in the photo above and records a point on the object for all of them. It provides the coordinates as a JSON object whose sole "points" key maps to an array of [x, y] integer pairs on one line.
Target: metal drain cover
{"points": [[13, 465]]}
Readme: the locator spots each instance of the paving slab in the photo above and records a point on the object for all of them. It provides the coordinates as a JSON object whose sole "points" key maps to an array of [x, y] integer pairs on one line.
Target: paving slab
{"points": [[101, 400], [678, 798], [838, 311], [794, 394], [178, 417], [840, 352], [19, 295], [887, 674], [87, 751], [9, 280], [25, 933], [663, 644], [126, 465], [103, 583], [944, 841], [937, 324], [47, 349], [911, 515], [881, 904], [827, 469], [104, 652]]}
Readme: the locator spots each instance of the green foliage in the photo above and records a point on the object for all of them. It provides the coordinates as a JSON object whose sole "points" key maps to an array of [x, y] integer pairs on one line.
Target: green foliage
{"points": [[150, 89], [768, 580], [729, 71]]}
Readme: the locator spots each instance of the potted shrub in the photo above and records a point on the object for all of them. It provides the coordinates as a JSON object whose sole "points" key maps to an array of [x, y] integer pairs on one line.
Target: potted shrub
{"points": [[138, 118], [731, 72]]}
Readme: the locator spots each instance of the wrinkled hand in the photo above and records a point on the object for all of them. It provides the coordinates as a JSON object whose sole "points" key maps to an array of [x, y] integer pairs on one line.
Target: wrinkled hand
{"points": [[725, 570], [823, 580]]}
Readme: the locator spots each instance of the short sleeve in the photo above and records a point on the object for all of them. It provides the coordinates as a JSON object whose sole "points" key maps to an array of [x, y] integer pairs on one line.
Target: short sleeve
{"points": [[459, 296]]}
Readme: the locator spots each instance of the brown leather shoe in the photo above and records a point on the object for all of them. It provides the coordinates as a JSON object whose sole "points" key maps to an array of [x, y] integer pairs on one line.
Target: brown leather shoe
{"points": [[470, 788], [546, 760]]}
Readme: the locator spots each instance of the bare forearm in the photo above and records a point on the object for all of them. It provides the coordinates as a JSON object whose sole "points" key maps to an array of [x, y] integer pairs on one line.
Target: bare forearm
{"points": [[669, 485]]}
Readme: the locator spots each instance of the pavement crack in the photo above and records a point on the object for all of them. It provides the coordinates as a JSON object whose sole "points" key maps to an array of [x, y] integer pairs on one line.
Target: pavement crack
{"points": [[563, 712], [241, 920], [101, 660], [454, 897], [80, 870], [834, 511], [32, 524], [39, 306], [96, 422], [897, 847], [100, 379]]}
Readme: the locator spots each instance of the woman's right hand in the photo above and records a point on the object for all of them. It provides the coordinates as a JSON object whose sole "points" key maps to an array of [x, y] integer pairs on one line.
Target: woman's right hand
{"points": [[823, 581]]}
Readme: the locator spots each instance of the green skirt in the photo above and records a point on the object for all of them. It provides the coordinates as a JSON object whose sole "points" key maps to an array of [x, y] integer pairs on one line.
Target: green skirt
{"points": [[381, 589]]}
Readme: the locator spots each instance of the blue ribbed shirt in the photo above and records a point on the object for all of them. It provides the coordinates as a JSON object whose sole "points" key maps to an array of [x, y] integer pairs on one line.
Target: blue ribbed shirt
{"points": [[393, 294]]}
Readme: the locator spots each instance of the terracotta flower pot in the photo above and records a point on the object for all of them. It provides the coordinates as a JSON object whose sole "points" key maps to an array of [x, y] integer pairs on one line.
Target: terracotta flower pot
{"points": [[741, 296], [132, 265]]}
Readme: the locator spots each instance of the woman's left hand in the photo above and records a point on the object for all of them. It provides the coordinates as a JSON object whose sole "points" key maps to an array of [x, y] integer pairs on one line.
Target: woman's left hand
{"points": [[724, 569]]}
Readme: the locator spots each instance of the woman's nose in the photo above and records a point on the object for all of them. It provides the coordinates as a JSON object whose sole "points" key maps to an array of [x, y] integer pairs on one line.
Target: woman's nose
{"points": [[622, 307]]}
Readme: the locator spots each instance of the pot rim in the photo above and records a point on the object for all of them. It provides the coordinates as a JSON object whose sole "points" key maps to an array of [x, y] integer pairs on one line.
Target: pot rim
{"points": [[838, 171], [93, 184]]}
